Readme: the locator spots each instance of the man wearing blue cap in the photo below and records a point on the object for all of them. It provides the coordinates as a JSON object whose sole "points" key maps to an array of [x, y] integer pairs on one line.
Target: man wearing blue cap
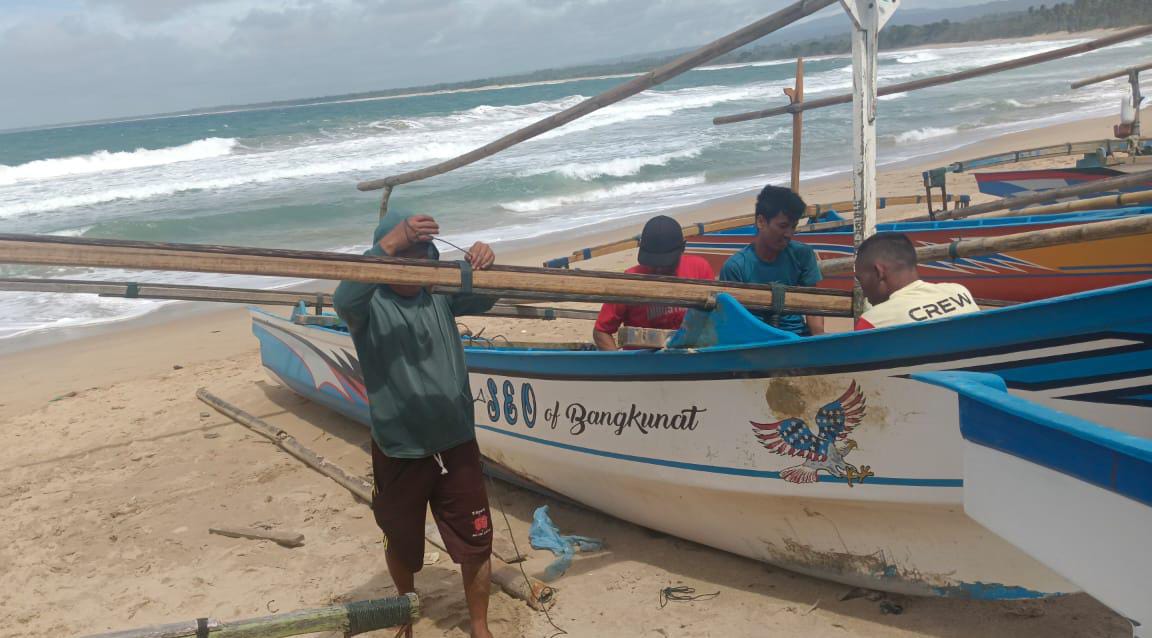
{"points": [[424, 452]]}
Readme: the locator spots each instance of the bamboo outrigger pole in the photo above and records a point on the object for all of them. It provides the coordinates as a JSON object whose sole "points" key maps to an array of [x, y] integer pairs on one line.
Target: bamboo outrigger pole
{"points": [[945, 79], [503, 281], [977, 246], [254, 296], [1020, 201], [728, 223], [730, 42]]}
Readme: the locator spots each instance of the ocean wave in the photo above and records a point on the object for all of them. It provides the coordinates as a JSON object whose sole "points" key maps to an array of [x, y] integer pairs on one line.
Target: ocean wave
{"points": [[622, 190], [103, 161], [227, 176], [928, 132], [620, 167], [894, 96], [916, 57]]}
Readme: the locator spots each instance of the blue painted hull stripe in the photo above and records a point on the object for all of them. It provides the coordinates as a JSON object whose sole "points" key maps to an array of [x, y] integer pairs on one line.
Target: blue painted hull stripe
{"points": [[1105, 266], [716, 469]]}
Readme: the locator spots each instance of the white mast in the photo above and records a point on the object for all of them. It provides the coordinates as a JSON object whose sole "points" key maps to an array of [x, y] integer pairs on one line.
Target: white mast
{"points": [[868, 17]]}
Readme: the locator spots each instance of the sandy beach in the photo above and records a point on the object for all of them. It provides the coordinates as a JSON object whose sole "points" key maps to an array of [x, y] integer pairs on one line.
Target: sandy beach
{"points": [[113, 472]]}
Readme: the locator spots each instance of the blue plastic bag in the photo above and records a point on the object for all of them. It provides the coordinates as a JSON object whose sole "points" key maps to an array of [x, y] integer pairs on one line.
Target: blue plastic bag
{"points": [[545, 535]]}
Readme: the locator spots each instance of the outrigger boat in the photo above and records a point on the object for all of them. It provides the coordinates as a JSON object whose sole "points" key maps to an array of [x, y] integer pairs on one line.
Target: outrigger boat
{"points": [[1024, 275], [818, 455], [1060, 488]]}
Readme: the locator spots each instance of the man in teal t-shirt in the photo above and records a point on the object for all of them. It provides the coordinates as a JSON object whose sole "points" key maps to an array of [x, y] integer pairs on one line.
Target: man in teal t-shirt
{"points": [[424, 452], [773, 258]]}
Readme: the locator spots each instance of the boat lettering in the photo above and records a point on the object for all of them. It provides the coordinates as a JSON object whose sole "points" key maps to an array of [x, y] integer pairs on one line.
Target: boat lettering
{"points": [[581, 417], [943, 307]]}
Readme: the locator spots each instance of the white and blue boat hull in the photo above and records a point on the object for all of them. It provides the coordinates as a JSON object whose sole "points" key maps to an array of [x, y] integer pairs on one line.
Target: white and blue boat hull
{"points": [[703, 443]]}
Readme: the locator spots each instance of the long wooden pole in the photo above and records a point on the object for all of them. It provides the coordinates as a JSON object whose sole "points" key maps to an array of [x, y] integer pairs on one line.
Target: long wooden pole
{"points": [[350, 618], [977, 246], [1077, 205], [1055, 150], [1112, 75], [730, 42], [1085, 188], [441, 276], [173, 292], [796, 94], [945, 79], [728, 223]]}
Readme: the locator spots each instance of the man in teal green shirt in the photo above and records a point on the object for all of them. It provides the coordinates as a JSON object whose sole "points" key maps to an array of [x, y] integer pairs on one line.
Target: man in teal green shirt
{"points": [[773, 258], [424, 452]]}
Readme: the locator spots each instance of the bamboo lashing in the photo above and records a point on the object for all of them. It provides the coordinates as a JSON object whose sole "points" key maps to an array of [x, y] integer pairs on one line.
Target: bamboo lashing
{"points": [[440, 276], [978, 246], [1111, 76], [728, 223], [949, 78], [1019, 201], [351, 618], [730, 42], [173, 292]]}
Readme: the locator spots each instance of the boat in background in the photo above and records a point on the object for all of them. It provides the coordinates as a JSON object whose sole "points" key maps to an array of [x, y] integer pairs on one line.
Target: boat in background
{"points": [[1024, 275], [1014, 183], [1073, 494], [819, 455]]}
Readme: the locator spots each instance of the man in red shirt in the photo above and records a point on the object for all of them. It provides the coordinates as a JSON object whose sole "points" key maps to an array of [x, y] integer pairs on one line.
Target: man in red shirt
{"points": [[661, 253]]}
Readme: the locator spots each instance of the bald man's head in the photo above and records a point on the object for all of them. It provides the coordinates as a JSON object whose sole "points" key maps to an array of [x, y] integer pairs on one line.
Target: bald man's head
{"points": [[885, 263]]}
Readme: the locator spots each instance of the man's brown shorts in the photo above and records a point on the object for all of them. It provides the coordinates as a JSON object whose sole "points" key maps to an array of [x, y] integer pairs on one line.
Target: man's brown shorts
{"points": [[407, 488]]}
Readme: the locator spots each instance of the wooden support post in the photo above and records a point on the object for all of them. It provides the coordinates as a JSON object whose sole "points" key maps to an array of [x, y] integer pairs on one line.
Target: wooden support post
{"points": [[977, 246], [439, 276], [796, 95]]}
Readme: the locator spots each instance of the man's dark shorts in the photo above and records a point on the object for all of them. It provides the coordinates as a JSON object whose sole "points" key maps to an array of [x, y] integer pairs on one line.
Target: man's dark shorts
{"points": [[407, 488]]}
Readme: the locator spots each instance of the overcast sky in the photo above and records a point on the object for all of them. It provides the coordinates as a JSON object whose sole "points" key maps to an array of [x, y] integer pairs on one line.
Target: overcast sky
{"points": [[69, 60]]}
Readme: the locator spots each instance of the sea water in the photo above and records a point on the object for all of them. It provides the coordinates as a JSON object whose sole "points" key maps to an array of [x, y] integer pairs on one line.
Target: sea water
{"points": [[285, 176]]}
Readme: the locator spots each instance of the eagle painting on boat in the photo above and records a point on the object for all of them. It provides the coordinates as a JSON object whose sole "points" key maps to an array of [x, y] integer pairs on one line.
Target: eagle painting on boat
{"points": [[834, 422]]}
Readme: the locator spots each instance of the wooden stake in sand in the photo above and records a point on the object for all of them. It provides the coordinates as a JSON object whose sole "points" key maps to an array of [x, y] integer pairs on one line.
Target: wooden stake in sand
{"points": [[350, 618], [510, 579], [501, 281], [978, 246]]}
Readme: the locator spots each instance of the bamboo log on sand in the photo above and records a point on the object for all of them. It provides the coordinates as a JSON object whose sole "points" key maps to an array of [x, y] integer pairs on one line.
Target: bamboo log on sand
{"points": [[949, 78], [350, 618], [977, 246], [440, 276], [510, 579], [1020, 201]]}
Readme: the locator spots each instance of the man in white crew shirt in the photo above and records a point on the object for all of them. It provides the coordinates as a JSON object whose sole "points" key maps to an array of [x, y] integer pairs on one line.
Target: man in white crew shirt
{"points": [[886, 270]]}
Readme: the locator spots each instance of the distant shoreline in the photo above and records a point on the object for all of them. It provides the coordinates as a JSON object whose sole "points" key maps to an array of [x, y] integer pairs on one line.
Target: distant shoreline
{"points": [[349, 98]]}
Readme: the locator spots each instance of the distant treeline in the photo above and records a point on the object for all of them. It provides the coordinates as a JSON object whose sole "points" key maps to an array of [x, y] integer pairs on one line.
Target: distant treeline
{"points": [[1080, 15]]}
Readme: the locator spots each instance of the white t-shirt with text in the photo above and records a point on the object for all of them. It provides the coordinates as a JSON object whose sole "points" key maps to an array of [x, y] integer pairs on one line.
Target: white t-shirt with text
{"points": [[919, 301]]}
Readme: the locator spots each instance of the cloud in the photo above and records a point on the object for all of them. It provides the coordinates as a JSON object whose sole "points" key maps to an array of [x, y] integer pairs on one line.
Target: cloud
{"points": [[130, 57], [152, 10]]}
